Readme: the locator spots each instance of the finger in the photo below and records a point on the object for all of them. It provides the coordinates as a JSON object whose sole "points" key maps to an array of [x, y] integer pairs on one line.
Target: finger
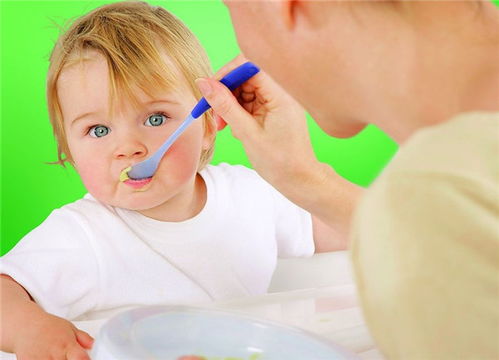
{"points": [[84, 339], [248, 86], [260, 82], [226, 105], [247, 96], [76, 352]]}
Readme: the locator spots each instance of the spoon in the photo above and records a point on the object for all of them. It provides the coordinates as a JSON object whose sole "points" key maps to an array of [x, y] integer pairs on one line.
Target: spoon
{"points": [[147, 168]]}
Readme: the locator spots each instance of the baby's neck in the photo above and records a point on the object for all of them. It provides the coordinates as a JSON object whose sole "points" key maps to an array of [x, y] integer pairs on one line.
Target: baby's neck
{"points": [[183, 206]]}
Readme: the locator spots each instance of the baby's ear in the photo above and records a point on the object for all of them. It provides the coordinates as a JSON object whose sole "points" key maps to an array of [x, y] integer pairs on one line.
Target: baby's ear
{"points": [[221, 124], [210, 129]]}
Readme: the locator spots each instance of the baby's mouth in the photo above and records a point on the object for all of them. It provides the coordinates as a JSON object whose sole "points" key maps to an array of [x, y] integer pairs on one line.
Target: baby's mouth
{"points": [[136, 184]]}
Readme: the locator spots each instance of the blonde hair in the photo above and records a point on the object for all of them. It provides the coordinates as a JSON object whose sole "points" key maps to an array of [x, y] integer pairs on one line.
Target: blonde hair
{"points": [[128, 34]]}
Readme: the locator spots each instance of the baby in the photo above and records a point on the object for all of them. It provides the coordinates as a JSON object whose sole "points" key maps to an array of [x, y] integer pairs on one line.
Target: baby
{"points": [[121, 80]]}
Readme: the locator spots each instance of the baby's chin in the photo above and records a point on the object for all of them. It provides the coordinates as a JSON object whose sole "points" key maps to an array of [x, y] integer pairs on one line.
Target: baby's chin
{"points": [[137, 201]]}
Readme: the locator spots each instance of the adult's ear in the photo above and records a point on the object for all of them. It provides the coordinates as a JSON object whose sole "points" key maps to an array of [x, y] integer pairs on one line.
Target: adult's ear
{"points": [[310, 14], [288, 12]]}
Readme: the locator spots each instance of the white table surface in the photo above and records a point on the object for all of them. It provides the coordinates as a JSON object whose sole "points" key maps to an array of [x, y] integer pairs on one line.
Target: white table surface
{"points": [[331, 312]]}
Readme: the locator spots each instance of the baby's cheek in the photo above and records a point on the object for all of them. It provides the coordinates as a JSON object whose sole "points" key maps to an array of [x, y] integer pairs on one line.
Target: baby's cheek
{"points": [[93, 180], [182, 160]]}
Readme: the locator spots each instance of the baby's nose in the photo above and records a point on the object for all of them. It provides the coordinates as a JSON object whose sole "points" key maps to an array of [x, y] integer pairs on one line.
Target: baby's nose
{"points": [[130, 147]]}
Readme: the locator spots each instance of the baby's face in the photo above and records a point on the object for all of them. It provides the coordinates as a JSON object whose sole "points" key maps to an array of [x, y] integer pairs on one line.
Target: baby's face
{"points": [[102, 146]]}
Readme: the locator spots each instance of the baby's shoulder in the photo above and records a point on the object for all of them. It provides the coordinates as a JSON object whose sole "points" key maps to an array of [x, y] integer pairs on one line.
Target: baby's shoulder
{"points": [[70, 225], [87, 206], [234, 177], [80, 213], [87, 203], [230, 172]]}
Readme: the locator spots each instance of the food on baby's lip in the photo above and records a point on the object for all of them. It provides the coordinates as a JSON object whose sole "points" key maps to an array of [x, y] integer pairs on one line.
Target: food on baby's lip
{"points": [[124, 174]]}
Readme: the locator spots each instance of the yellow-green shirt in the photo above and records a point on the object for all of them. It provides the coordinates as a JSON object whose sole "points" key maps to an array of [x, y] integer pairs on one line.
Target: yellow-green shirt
{"points": [[425, 244]]}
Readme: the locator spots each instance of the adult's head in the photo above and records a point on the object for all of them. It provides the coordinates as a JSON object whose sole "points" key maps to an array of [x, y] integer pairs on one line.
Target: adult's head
{"points": [[398, 64]]}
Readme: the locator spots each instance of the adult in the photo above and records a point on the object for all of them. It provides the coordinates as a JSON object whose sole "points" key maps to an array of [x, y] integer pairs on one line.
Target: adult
{"points": [[425, 243]]}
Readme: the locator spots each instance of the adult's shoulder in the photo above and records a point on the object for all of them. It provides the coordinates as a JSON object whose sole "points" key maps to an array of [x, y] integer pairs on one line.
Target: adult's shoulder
{"points": [[440, 188], [428, 225], [466, 146], [445, 173]]}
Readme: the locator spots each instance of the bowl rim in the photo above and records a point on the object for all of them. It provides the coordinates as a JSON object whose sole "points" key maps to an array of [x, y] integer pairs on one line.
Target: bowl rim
{"points": [[155, 310]]}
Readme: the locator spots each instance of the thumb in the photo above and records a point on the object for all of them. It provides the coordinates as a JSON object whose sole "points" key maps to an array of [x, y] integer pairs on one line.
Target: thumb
{"points": [[84, 339], [224, 104]]}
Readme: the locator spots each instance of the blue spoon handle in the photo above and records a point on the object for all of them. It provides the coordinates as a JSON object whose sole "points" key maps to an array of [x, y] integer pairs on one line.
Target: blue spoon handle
{"points": [[232, 80]]}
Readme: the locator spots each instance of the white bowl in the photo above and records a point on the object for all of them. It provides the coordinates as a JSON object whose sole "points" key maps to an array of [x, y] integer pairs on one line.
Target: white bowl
{"points": [[169, 332]]}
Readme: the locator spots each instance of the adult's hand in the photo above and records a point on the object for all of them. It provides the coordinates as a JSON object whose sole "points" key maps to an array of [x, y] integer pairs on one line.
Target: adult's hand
{"points": [[270, 123], [272, 128]]}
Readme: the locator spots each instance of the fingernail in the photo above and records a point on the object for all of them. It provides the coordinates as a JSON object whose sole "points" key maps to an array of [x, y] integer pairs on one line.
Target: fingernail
{"points": [[204, 86]]}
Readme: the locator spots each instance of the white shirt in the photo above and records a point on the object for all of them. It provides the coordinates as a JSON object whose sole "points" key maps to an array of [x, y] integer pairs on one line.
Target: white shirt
{"points": [[89, 260]]}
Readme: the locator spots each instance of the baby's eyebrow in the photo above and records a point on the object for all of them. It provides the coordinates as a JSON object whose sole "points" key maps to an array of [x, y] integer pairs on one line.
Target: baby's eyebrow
{"points": [[152, 102], [157, 101], [79, 117]]}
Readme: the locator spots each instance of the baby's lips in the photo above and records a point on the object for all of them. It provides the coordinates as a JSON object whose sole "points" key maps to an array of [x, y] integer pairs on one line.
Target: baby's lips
{"points": [[138, 184]]}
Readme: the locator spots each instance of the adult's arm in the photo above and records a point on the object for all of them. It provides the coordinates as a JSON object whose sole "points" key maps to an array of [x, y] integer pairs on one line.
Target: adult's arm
{"points": [[273, 130]]}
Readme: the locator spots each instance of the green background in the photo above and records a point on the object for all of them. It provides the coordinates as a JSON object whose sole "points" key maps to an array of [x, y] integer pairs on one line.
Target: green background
{"points": [[31, 189]]}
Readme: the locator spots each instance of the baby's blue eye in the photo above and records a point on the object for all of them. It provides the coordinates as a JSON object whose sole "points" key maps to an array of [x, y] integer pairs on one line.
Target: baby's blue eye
{"points": [[99, 131], [155, 120]]}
